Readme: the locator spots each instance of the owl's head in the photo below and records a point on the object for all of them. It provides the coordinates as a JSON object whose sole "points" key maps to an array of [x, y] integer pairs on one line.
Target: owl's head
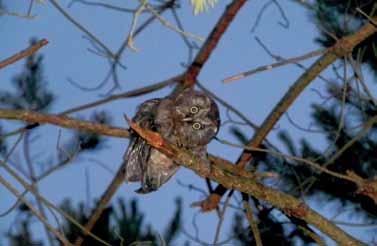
{"points": [[190, 119]]}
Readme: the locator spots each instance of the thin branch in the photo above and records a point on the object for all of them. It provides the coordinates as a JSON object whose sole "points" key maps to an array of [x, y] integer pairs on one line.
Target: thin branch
{"points": [[116, 182], [129, 94], [103, 5], [274, 65], [280, 58], [34, 211], [221, 219], [212, 41], [32, 174], [82, 28], [372, 21], [136, 14], [39, 178], [171, 26], [31, 189], [24, 53], [253, 223], [310, 163], [63, 121]]}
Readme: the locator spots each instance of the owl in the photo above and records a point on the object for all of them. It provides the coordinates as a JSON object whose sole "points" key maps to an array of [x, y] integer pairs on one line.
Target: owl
{"points": [[189, 120]]}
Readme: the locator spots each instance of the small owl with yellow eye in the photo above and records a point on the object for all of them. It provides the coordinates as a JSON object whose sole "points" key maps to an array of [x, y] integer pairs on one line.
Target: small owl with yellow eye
{"points": [[189, 119]]}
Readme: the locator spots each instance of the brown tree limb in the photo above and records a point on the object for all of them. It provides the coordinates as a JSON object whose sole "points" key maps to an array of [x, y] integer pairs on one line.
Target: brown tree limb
{"points": [[24, 53], [365, 187], [221, 171], [340, 49], [229, 177], [128, 94], [63, 121], [212, 41]]}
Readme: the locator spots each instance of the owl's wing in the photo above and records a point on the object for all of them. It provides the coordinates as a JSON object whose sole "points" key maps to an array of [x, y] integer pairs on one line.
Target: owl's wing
{"points": [[159, 170], [138, 151], [135, 158]]}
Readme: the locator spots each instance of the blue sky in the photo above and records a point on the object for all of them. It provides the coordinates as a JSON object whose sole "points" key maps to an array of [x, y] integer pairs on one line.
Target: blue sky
{"points": [[161, 52]]}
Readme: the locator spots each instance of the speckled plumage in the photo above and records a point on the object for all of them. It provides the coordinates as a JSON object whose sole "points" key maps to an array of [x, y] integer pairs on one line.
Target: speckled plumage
{"points": [[189, 120]]}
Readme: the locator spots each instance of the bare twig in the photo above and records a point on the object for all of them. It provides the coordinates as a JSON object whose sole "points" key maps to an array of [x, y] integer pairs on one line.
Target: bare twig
{"points": [[128, 94], [32, 174], [34, 211], [212, 41], [253, 223], [31, 189], [24, 53], [103, 5], [169, 25], [63, 121], [274, 65], [221, 219], [82, 28], [116, 182]]}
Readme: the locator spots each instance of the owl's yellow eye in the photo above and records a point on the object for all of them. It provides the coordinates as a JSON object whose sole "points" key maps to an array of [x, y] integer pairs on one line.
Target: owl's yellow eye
{"points": [[196, 126], [194, 109]]}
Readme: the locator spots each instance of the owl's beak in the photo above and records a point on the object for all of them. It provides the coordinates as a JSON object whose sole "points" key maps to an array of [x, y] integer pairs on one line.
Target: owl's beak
{"points": [[188, 119]]}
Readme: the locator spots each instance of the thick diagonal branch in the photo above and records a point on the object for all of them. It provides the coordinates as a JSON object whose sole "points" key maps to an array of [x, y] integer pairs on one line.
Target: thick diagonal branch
{"points": [[228, 175], [222, 171], [340, 49]]}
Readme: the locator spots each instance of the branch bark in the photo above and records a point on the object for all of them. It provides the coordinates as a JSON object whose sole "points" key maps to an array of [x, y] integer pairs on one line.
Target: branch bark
{"points": [[222, 171], [24, 53], [340, 49], [212, 41], [228, 175], [63, 121]]}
